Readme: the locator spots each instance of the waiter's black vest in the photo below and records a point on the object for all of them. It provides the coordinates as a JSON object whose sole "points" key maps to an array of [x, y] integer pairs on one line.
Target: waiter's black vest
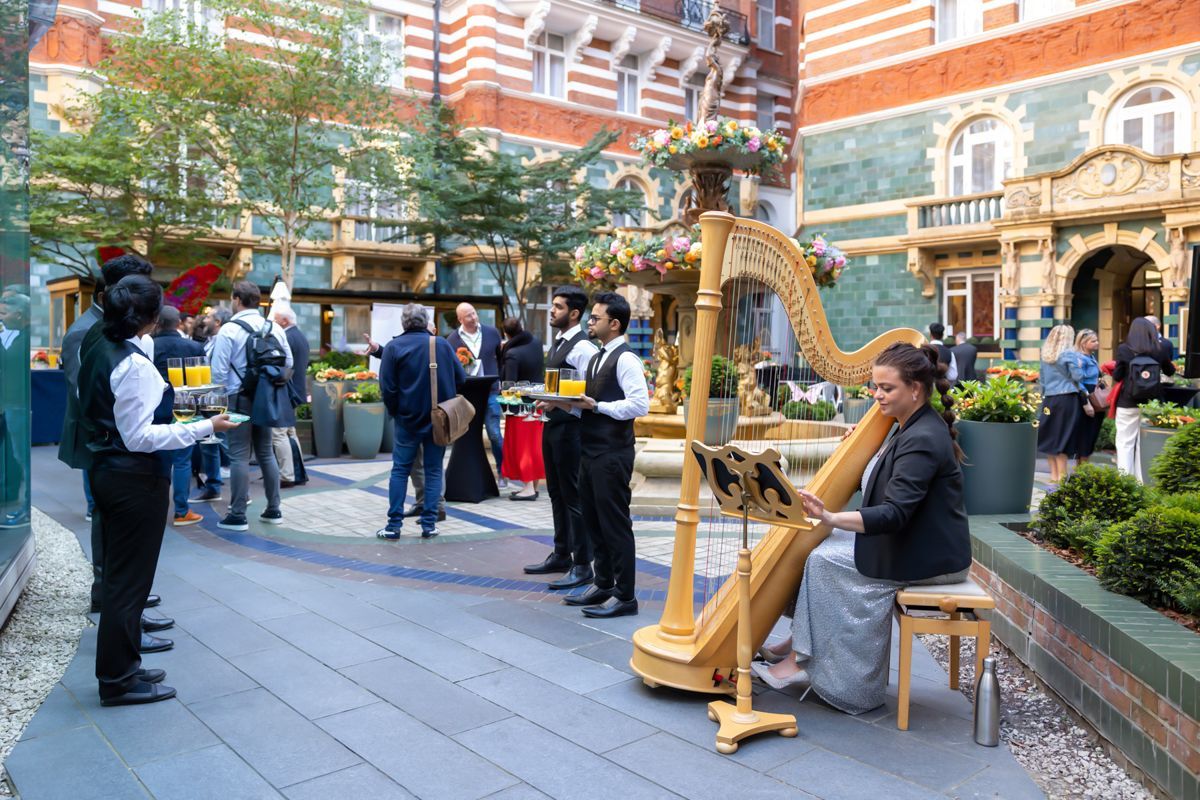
{"points": [[601, 433], [558, 357], [98, 420]]}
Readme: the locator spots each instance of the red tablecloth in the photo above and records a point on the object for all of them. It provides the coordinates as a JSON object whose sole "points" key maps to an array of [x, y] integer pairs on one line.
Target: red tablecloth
{"points": [[523, 449]]}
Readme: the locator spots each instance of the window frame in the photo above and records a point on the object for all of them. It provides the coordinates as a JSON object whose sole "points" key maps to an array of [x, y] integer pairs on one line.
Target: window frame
{"points": [[627, 75], [627, 219], [758, 111], [1040, 6], [765, 41], [365, 210], [693, 89], [971, 275], [396, 79], [1117, 116], [1001, 136], [967, 19], [544, 52]]}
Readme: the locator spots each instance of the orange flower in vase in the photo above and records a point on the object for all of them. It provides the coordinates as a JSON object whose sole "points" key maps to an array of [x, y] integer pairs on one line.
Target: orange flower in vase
{"points": [[465, 357]]}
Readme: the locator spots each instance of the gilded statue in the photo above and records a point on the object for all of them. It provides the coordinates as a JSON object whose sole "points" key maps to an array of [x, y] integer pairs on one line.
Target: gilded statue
{"points": [[666, 395], [753, 400], [716, 26]]}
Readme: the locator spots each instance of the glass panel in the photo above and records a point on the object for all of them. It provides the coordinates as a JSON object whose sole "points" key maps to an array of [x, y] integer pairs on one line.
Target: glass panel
{"points": [[556, 42], [1164, 133], [956, 283], [539, 72], [1132, 132], [557, 76], [956, 312], [766, 27], [1151, 94], [690, 98], [983, 167], [765, 112], [947, 19], [983, 306], [957, 182]]}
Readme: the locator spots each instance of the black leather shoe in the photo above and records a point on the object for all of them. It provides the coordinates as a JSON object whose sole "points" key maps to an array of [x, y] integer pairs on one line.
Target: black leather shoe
{"points": [[154, 644], [414, 511], [152, 624], [151, 675], [612, 608], [553, 563], [578, 575], [592, 597], [142, 693]]}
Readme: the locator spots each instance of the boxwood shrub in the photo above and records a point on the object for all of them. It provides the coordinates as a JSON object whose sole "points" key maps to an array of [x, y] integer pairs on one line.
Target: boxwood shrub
{"points": [[1177, 467], [820, 411], [1107, 438], [1100, 493], [1152, 550]]}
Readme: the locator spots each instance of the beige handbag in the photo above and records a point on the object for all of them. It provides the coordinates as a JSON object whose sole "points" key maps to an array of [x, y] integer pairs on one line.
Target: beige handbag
{"points": [[452, 417]]}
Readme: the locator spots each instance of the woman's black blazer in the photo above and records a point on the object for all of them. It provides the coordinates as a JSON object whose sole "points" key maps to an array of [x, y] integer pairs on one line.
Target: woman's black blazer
{"points": [[521, 359], [915, 523]]}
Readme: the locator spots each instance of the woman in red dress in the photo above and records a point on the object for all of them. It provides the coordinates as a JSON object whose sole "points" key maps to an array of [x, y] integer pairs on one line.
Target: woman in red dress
{"points": [[522, 359]]}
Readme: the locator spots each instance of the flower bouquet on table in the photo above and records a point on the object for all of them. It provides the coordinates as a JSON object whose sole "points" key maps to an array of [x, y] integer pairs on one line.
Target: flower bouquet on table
{"points": [[466, 358], [744, 146], [607, 259]]}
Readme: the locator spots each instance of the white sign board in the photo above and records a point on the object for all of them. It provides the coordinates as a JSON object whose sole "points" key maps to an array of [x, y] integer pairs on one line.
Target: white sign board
{"points": [[385, 324]]}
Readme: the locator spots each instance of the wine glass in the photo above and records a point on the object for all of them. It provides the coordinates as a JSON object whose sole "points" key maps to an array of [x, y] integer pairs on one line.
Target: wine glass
{"points": [[212, 404], [184, 407], [506, 395], [522, 388]]}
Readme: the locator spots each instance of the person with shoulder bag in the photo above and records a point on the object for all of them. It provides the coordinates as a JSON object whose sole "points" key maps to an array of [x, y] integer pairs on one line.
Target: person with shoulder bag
{"points": [[1141, 363], [1087, 343], [1064, 403], [420, 377]]}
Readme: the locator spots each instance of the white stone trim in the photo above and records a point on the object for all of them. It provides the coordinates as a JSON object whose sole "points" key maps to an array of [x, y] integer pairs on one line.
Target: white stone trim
{"points": [[620, 47], [1124, 80], [1022, 133], [655, 59], [535, 23], [578, 41], [815, 54], [895, 11]]}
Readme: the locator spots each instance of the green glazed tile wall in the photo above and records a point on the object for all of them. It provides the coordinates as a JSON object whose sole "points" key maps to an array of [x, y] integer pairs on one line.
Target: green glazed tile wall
{"points": [[875, 294]]}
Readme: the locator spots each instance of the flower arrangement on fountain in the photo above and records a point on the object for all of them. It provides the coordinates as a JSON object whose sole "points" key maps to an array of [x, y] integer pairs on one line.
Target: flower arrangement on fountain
{"points": [[606, 259], [825, 260], [721, 135]]}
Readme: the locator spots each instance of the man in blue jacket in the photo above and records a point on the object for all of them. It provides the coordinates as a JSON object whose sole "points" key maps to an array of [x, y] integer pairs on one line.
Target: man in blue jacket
{"points": [[404, 380], [484, 343]]}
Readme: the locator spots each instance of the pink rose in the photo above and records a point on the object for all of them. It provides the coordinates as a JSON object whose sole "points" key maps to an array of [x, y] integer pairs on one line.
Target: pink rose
{"points": [[711, 126], [754, 145], [639, 263], [681, 244], [840, 261], [597, 272], [579, 253], [615, 247], [818, 247]]}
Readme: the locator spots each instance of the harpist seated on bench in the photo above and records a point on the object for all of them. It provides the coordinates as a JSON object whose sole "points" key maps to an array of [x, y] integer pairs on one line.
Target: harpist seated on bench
{"points": [[911, 530]]}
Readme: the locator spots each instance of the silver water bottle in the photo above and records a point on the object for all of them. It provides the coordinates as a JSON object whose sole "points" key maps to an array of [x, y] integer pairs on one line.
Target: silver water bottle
{"points": [[987, 705]]}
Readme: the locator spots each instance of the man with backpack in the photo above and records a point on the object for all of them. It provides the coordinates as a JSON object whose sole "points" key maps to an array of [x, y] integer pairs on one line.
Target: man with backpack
{"points": [[251, 358]]}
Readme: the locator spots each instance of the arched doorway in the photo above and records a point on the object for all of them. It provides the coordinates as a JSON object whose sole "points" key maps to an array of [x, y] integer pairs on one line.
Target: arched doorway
{"points": [[1115, 285]]}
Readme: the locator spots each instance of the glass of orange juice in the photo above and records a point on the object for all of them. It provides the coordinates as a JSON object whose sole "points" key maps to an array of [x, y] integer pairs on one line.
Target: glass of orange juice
{"points": [[192, 372], [205, 371], [175, 371], [570, 383]]}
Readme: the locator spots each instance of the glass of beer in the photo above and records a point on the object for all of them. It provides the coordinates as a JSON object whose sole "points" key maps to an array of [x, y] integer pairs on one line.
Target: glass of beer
{"points": [[212, 404], [184, 407], [192, 372], [552, 381], [175, 371], [570, 383]]}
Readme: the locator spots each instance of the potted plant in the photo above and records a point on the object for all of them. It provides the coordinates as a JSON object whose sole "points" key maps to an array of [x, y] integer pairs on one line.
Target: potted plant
{"points": [[327, 390], [304, 429], [997, 431], [363, 415], [1160, 421], [857, 401], [721, 417]]}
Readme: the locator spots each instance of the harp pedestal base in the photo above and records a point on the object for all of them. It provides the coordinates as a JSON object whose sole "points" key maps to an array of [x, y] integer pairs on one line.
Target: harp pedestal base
{"points": [[661, 662], [735, 726]]}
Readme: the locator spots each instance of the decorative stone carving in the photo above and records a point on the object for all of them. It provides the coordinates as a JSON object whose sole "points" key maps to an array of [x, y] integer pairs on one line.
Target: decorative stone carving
{"points": [[1023, 197], [656, 58], [1111, 174], [1191, 173], [74, 41], [920, 264], [1010, 275], [621, 46], [1049, 265], [690, 66], [731, 68], [535, 24], [1177, 275], [666, 396], [582, 38], [753, 401]]}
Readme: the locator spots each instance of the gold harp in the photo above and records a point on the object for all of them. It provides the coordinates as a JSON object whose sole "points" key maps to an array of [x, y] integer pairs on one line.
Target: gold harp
{"points": [[689, 652]]}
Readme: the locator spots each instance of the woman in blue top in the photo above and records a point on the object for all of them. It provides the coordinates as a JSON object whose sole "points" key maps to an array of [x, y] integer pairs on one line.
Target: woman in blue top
{"points": [[1087, 344], [1063, 400]]}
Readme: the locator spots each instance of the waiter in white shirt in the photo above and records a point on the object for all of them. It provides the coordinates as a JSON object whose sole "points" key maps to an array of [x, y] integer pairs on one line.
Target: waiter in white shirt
{"points": [[615, 395], [125, 413], [560, 448]]}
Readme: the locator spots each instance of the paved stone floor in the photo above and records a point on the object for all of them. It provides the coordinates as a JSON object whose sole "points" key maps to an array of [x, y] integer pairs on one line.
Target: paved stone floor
{"points": [[313, 661]]}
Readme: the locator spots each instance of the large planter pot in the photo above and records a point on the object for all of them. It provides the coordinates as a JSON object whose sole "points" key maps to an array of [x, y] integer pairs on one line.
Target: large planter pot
{"points": [[304, 432], [998, 471], [327, 418], [389, 433], [363, 428], [720, 420], [855, 408], [1150, 444]]}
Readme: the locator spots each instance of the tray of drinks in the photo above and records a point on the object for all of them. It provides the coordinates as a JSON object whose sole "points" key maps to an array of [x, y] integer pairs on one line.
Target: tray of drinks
{"points": [[551, 398], [209, 387], [209, 413]]}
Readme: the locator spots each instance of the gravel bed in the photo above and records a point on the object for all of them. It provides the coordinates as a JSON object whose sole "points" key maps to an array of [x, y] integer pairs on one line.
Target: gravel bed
{"points": [[42, 634], [1066, 760]]}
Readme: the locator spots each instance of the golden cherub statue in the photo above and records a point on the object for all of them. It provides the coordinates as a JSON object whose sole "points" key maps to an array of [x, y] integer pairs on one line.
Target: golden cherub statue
{"points": [[666, 396], [754, 401]]}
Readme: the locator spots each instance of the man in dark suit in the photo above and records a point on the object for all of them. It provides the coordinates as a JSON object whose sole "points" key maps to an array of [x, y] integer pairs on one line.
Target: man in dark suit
{"points": [[169, 344], [1164, 344], [290, 473], [72, 447], [937, 332], [965, 354], [484, 343]]}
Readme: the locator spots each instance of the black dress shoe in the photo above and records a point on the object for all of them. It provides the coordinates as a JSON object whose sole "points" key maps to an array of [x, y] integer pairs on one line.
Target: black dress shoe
{"points": [[152, 624], [152, 600], [592, 597], [151, 675], [154, 644], [578, 575], [612, 608], [414, 511], [142, 693], [553, 563]]}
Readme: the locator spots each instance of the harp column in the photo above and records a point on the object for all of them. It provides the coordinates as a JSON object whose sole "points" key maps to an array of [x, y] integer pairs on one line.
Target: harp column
{"points": [[678, 621]]}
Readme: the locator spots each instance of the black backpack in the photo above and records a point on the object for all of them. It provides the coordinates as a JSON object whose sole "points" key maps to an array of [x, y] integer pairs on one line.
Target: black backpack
{"points": [[1143, 379], [265, 359]]}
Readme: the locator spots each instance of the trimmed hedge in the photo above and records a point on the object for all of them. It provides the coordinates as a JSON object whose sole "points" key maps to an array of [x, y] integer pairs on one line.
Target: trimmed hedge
{"points": [[820, 411], [1159, 544], [1177, 467], [1101, 494]]}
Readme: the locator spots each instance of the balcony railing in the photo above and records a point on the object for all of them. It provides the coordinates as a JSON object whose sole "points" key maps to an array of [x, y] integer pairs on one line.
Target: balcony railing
{"points": [[971, 210], [691, 14]]}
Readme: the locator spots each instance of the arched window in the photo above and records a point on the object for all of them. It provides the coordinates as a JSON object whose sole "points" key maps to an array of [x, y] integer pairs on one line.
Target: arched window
{"points": [[762, 212], [1155, 118], [634, 218], [980, 157]]}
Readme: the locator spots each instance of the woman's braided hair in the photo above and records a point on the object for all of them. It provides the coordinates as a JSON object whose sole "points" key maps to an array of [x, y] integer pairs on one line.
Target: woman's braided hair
{"points": [[920, 366]]}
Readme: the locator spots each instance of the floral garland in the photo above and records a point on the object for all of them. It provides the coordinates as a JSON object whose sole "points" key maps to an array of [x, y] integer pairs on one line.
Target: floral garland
{"points": [[721, 134], [607, 258]]}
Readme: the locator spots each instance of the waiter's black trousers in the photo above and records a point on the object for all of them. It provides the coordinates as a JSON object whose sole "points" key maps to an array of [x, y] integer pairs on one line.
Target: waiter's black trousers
{"points": [[133, 510], [604, 489], [560, 455]]}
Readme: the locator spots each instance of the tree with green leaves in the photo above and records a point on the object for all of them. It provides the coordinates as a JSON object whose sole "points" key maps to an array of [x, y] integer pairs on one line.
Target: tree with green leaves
{"points": [[522, 219], [122, 180], [285, 104]]}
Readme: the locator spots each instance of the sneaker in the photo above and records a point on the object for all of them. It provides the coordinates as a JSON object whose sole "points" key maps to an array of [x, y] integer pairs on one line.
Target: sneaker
{"points": [[429, 534], [391, 534], [190, 518], [272, 517], [87, 517], [206, 496], [234, 522]]}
